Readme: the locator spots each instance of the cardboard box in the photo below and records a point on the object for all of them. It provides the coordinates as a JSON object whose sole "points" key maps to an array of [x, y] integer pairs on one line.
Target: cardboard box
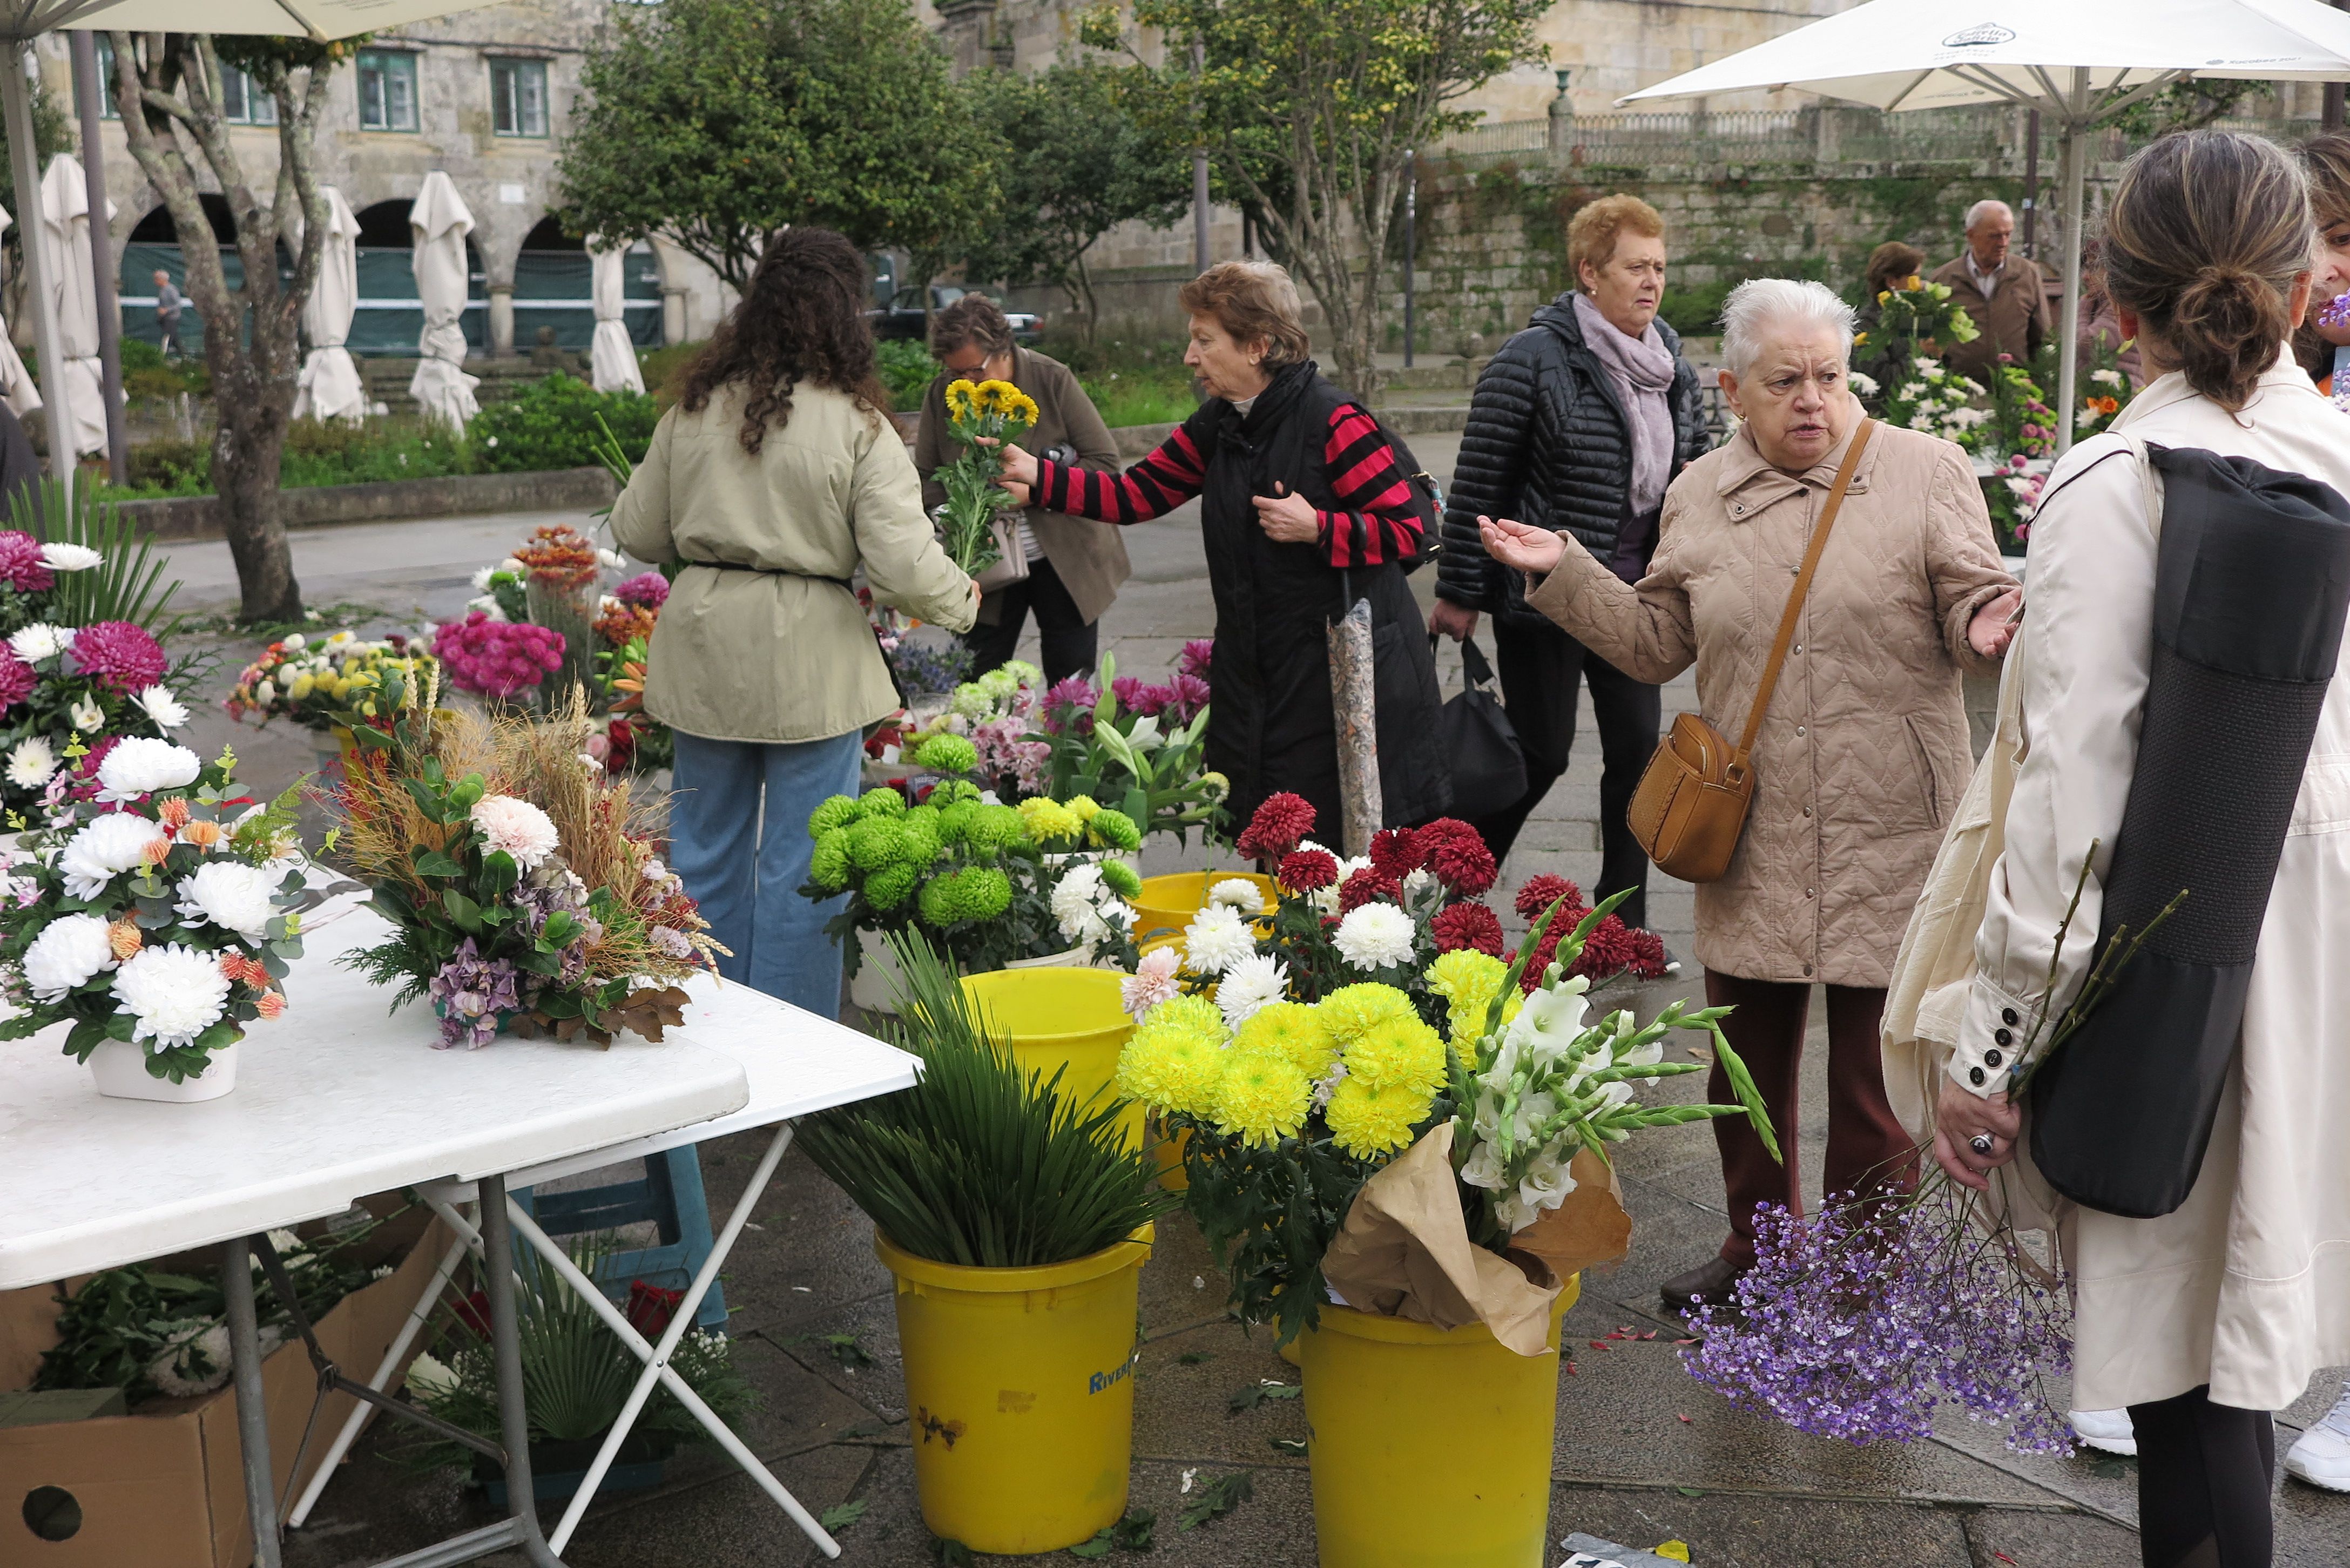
{"points": [[165, 1488]]}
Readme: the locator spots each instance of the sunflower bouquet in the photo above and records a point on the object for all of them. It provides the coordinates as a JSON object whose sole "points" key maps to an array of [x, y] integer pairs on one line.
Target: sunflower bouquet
{"points": [[984, 416]]}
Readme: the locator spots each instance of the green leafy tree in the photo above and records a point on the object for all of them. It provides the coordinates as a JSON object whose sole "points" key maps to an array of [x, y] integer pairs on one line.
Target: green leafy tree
{"points": [[1075, 164], [1309, 110], [178, 130], [713, 122]]}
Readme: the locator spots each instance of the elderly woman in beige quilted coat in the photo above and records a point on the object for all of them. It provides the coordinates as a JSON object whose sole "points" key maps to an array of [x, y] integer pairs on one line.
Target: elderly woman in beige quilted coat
{"points": [[1863, 754]]}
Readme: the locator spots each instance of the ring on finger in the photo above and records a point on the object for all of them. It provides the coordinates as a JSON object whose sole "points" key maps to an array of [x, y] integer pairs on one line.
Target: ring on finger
{"points": [[1982, 1143]]}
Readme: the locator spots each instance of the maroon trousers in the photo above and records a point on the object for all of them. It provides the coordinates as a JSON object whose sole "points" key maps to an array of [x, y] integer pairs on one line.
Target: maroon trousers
{"points": [[1869, 1149]]}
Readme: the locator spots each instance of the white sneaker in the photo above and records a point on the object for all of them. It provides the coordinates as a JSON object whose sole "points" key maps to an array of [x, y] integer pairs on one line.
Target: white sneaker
{"points": [[2108, 1431], [2321, 1456]]}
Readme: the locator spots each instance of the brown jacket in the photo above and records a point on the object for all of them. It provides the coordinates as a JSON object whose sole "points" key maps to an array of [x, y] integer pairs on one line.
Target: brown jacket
{"points": [[2013, 321], [1088, 558], [1863, 753]]}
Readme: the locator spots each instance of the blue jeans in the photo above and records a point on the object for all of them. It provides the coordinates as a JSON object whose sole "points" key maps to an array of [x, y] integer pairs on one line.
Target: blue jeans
{"points": [[738, 835]]}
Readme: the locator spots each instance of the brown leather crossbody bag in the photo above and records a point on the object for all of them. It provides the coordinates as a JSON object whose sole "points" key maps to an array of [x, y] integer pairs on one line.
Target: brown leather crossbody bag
{"points": [[1691, 804]]}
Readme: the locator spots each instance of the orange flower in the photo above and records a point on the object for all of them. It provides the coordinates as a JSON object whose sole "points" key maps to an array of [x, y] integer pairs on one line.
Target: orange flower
{"points": [[174, 812], [247, 970], [269, 1003], [122, 939], [157, 851], [203, 834]]}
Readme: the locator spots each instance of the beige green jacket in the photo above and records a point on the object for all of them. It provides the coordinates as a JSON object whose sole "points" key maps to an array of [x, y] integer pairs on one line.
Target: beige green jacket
{"points": [[781, 651]]}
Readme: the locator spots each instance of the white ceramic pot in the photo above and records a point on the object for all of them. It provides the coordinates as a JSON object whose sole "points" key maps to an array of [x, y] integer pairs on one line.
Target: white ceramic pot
{"points": [[874, 986], [1068, 958], [120, 1068]]}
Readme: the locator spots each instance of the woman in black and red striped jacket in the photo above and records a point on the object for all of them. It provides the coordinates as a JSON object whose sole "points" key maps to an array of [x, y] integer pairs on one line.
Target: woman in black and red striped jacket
{"points": [[1304, 508]]}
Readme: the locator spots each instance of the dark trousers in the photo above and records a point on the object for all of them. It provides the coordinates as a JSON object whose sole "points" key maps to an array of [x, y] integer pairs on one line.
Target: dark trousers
{"points": [[1867, 1150], [1069, 640], [2204, 1471], [1543, 672]]}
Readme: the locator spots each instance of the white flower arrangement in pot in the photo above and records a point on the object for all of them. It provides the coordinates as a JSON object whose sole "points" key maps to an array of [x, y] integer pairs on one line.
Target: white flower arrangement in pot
{"points": [[151, 908]]}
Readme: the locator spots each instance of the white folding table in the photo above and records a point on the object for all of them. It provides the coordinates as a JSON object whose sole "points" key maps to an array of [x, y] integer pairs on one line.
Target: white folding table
{"points": [[336, 1101]]}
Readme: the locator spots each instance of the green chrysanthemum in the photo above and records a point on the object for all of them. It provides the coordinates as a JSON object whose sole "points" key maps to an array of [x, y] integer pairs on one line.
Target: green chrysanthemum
{"points": [[828, 863], [1121, 878], [948, 754], [891, 886], [873, 843], [1114, 829], [840, 811], [955, 822], [881, 801], [995, 827], [950, 792]]}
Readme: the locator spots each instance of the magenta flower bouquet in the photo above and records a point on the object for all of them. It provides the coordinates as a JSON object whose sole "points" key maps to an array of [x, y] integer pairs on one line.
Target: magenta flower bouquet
{"points": [[497, 659]]}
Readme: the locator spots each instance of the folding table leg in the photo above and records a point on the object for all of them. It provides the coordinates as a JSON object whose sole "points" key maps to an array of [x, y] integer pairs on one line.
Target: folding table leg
{"points": [[417, 1318], [252, 1405], [505, 1349]]}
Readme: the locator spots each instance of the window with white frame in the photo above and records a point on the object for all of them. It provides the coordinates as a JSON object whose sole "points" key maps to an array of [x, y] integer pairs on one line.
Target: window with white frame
{"points": [[244, 100], [518, 97], [386, 80]]}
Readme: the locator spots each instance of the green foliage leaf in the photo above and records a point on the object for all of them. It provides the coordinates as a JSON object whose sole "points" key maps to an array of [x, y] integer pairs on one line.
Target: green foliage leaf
{"points": [[841, 1515], [466, 913], [1217, 1498]]}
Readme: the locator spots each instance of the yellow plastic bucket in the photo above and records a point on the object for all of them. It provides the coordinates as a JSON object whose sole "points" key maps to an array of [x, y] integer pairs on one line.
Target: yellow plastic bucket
{"points": [[1055, 1017], [1020, 1392], [1430, 1447], [1167, 1150], [1168, 903]]}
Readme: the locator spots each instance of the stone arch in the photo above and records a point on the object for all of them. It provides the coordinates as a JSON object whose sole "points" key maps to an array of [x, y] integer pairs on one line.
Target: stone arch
{"points": [[153, 246], [390, 318], [552, 288]]}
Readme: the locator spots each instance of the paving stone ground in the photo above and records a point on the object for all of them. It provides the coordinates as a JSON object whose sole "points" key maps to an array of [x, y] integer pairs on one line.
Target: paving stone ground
{"points": [[1743, 1492]]}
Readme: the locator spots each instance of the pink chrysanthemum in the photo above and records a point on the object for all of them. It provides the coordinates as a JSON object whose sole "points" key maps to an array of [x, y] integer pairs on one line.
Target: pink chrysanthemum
{"points": [[21, 567], [118, 656], [496, 658], [16, 679], [647, 590]]}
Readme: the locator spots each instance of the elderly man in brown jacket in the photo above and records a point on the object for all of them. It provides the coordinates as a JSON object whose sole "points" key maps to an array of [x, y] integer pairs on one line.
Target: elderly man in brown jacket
{"points": [[1862, 752], [2004, 293], [1074, 565]]}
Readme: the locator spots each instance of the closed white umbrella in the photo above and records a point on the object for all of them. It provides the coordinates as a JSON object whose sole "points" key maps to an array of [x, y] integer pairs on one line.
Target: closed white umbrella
{"points": [[2075, 60], [439, 221], [65, 243], [17, 388], [612, 357], [330, 384]]}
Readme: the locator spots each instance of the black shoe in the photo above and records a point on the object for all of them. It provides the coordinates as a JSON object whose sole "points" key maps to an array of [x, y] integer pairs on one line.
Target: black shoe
{"points": [[1711, 1283]]}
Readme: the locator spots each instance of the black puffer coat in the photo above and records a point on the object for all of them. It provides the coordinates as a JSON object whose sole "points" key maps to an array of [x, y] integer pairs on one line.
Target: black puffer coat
{"points": [[1548, 444]]}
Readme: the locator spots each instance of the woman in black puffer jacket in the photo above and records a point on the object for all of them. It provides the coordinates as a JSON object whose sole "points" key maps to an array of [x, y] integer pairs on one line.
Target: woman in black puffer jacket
{"points": [[1578, 424]]}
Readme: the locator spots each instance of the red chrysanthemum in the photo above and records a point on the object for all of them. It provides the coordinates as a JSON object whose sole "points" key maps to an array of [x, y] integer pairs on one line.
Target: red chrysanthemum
{"points": [[1461, 860], [1278, 824], [1368, 885], [1307, 870], [1609, 949], [1541, 892], [1467, 925], [21, 567], [1396, 851], [1647, 955], [16, 679], [118, 656]]}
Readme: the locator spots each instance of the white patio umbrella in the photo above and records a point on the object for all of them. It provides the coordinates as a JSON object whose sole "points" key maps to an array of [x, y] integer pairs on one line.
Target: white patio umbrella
{"points": [[439, 221], [330, 384], [17, 388], [612, 356], [2075, 61], [73, 294]]}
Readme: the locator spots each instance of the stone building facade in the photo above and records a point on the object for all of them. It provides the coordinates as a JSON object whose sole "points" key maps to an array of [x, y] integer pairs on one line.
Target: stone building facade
{"points": [[485, 96]]}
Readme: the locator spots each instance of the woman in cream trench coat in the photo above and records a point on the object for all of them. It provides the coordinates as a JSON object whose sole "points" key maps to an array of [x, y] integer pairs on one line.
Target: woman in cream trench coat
{"points": [[2205, 1319], [1863, 752]]}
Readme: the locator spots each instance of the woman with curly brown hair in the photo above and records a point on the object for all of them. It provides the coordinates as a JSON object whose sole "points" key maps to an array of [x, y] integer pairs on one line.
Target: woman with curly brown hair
{"points": [[776, 477]]}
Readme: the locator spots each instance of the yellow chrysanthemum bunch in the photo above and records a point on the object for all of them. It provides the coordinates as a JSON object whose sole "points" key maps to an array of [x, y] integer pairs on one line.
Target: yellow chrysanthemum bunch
{"points": [[1395, 1063], [1264, 1097], [1365, 1121], [1174, 1060], [1049, 819], [1348, 1010], [1293, 1031], [1468, 980], [1085, 806]]}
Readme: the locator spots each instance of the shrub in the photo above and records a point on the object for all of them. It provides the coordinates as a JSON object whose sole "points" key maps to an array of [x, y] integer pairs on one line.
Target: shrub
{"points": [[551, 423], [907, 369], [661, 369], [173, 467]]}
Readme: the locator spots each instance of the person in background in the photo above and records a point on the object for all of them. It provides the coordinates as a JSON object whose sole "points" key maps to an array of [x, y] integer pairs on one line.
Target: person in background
{"points": [[774, 479], [1075, 566], [1579, 424], [1863, 754], [2101, 326], [1877, 353], [2324, 349], [2004, 293], [2189, 1328], [169, 302], [1303, 510]]}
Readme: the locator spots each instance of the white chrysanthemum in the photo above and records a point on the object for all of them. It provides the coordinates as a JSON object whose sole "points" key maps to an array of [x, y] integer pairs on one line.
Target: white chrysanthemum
{"points": [[488, 605], [1375, 936], [613, 560], [194, 1359], [509, 823], [1240, 893], [39, 640], [142, 765], [294, 641], [1255, 983], [31, 762], [62, 557], [1927, 367], [85, 715], [231, 896], [113, 843], [2110, 378], [168, 711], [1418, 883], [175, 992], [1216, 940], [1865, 384], [1077, 905], [481, 579], [429, 1378], [1912, 391], [69, 950]]}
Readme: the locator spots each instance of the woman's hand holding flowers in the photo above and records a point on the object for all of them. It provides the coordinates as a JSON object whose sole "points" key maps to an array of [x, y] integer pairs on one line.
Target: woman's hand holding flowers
{"points": [[1959, 1116]]}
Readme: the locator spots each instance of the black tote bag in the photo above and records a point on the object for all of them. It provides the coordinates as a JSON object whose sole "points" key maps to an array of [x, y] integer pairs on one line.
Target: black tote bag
{"points": [[2251, 586], [1489, 766]]}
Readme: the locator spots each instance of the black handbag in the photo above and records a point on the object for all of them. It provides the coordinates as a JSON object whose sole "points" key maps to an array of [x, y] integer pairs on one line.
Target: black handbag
{"points": [[1488, 766], [2251, 586]]}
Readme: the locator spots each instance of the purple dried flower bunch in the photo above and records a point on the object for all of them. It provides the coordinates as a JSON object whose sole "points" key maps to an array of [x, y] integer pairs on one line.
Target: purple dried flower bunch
{"points": [[2335, 313], [473, 995], [1860, 1322]]}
